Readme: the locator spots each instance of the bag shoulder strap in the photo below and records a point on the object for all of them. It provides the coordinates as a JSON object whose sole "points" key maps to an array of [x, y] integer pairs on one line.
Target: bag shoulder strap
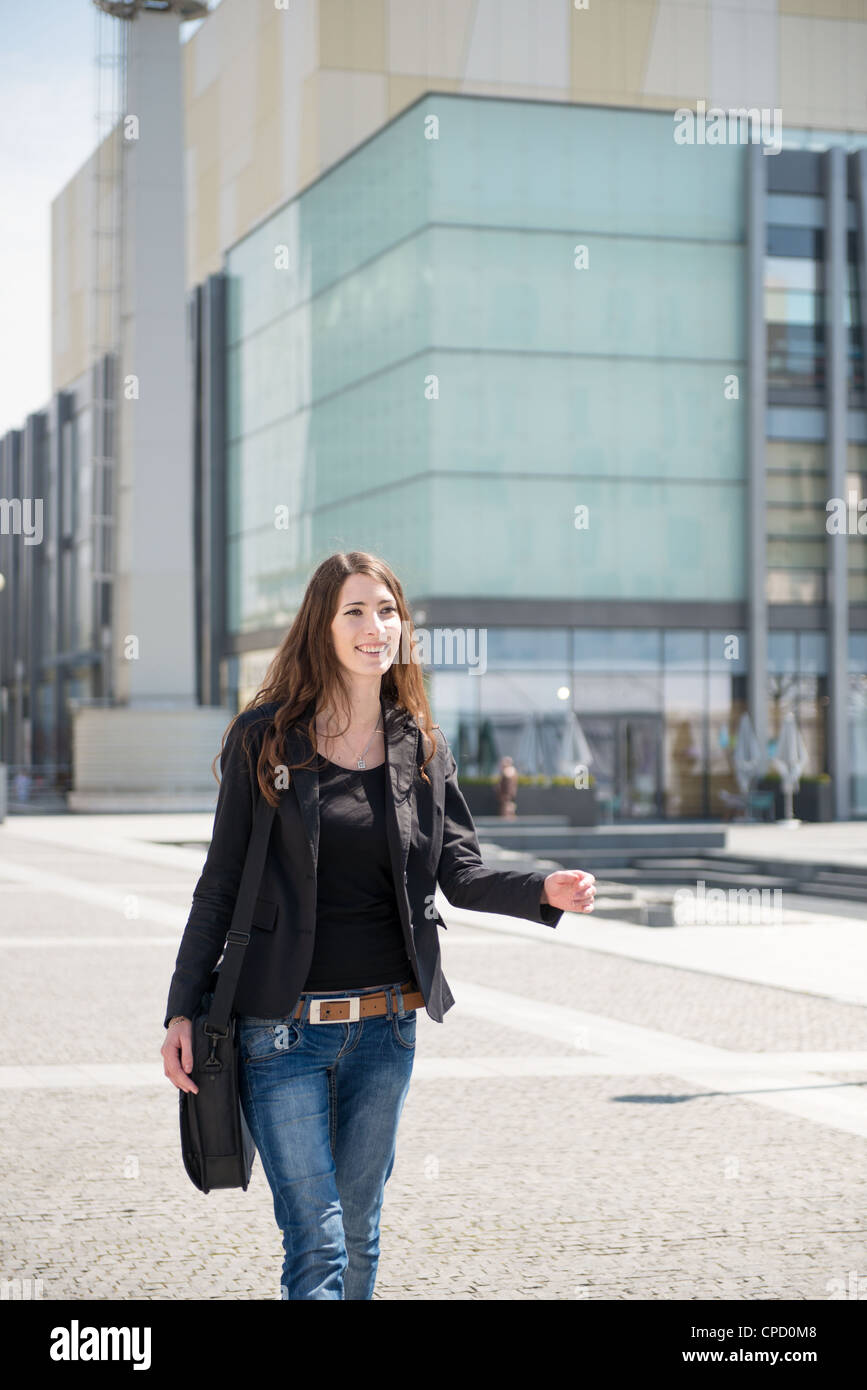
{"points": [[238, 935]]}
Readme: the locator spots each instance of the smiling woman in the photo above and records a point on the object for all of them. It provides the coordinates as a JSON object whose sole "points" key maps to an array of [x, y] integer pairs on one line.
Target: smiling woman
{"points": [[370, 819], [366, 633]]}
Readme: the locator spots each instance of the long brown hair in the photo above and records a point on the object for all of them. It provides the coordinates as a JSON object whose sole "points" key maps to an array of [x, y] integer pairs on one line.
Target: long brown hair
{"points": [[306, 668]]}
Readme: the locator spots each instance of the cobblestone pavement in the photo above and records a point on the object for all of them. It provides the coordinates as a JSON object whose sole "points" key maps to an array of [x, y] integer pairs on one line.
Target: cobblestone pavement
{"points": [[583, 1125]]}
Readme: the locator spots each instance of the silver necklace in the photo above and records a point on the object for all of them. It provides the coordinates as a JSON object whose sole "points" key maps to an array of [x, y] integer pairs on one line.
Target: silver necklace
{"points": [[360, 763]]}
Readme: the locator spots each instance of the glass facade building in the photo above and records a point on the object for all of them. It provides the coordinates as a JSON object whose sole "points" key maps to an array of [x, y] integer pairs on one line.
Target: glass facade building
{"points": [[433, 357], [57, 595], [506, 345]]}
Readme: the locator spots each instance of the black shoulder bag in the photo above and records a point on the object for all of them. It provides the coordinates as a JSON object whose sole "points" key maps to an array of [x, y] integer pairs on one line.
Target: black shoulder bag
{"points": [[216, 1145]]}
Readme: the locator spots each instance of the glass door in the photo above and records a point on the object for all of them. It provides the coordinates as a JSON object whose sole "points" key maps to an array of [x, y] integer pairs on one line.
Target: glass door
{"points": [[639, 771], [627, 764]]}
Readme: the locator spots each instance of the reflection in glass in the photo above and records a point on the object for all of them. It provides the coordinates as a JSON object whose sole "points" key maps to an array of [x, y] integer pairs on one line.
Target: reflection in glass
{"points": [[527, 647], [628, 649], [684, 650], [661, 736], [684, 747], [727, 696], [522, 715], [857, 715]]}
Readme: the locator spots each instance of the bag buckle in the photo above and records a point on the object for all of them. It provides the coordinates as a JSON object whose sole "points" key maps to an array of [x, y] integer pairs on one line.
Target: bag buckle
{"points": [[354, 1002], [212, 1033], [238, 938]]}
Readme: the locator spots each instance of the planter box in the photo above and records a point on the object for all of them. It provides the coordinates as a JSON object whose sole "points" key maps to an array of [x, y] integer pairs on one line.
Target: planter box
{"points": [[578, 804], [812, 802], [480, 797]]}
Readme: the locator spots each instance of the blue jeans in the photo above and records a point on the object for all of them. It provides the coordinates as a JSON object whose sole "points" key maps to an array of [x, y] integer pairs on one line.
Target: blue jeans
{"points": [[323, 1102]]}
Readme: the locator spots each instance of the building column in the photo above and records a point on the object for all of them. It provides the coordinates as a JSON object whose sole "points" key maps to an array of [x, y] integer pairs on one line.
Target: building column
{"points": [[836, 391], [858, 182], [154, 549], [153, 749], [61, 480], [208, 337], [10, 600], [757, 395]]}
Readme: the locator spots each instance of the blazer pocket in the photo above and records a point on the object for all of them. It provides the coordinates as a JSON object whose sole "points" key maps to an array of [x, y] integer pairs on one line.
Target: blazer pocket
{"points": [[264, 914]]}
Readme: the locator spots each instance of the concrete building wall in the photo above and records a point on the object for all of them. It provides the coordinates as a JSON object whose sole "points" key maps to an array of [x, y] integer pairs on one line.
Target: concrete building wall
{"points": [[154, 660], [142, 760], [83, 271]]}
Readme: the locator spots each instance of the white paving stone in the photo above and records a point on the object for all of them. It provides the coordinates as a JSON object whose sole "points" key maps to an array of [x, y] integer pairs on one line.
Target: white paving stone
{"points": [[599, 1117]]}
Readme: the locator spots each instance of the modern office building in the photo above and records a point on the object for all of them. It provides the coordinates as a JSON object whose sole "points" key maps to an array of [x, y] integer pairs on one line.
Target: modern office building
{"points": [[556, 447], [461, 291]]}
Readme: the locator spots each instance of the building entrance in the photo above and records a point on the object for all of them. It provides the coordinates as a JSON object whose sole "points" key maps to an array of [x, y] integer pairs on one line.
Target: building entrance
{"points": [[627, 766]]}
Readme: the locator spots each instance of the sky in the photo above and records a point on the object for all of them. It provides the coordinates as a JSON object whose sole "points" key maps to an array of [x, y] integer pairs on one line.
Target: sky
{"points": [[48, 129]]}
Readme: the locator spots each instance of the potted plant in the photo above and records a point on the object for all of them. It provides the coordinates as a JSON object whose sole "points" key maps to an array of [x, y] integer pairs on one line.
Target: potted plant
{"points": [[812, 801], [772, 782]]}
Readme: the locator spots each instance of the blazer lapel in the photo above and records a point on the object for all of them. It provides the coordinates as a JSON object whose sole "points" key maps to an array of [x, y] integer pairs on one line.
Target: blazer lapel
{"points": [[401, 747], [402, 735], [305, 780]]}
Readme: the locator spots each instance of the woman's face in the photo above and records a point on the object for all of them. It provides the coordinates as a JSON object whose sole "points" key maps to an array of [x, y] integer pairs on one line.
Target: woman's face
{"points": [[366, 617]]}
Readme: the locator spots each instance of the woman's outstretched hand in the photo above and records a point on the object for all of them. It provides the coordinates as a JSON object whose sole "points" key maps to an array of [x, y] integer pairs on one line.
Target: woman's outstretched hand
{"points": [[572, 890]]}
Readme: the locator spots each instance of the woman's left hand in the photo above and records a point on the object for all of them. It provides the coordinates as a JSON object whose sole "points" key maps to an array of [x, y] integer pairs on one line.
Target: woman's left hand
{"points": [[571, 890]]}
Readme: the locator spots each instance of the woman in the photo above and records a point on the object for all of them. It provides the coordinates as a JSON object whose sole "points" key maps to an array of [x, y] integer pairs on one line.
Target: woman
{"points": [[344, 947]]}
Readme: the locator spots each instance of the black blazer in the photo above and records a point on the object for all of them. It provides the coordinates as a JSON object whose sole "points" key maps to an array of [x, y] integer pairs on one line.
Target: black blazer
{"points": [[431, 840]]}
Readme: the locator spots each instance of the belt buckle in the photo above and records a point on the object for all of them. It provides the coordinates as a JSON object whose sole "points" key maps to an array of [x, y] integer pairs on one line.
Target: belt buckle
{"points": [[353, 1000]]}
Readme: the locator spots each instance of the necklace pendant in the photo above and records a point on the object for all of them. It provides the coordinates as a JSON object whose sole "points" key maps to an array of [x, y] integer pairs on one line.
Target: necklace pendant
{"points": [[361, 763]]}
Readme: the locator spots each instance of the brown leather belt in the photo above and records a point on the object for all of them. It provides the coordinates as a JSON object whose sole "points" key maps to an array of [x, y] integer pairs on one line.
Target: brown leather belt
{"points": [[352, 1007]]}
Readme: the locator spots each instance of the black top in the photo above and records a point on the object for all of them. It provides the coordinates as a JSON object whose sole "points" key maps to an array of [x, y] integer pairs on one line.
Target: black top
{"points": [[275, 963], [359, 939]]}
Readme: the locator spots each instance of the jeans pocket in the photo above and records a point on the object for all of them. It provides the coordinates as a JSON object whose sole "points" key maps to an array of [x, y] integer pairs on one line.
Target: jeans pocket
{"points": [[404, 1029], [261, 1042]]}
